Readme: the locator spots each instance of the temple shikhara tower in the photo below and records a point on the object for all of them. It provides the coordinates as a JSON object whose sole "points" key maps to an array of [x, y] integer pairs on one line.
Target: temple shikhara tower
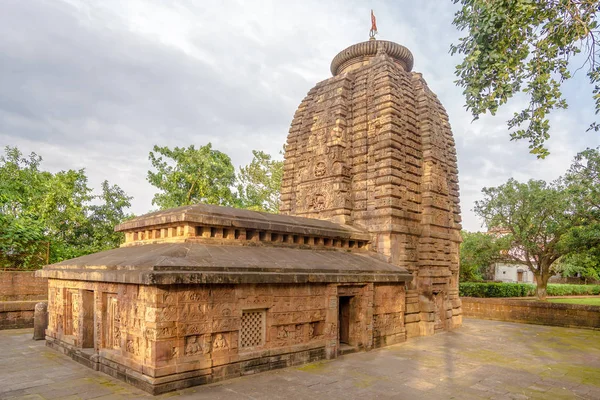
{"points": [[364, 253], [371, 147]]}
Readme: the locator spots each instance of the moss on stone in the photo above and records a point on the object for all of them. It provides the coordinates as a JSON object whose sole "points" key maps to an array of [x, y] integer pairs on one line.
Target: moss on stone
{"points": [[315, 367]]}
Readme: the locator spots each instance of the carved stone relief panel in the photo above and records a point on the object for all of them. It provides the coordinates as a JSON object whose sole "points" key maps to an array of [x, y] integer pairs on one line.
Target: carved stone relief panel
{"points": [[197, 345], [112, 322], [220, 342]]}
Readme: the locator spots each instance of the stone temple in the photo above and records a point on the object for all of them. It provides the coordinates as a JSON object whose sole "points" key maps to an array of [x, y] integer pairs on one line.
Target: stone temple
{"points": [[364, 253]]}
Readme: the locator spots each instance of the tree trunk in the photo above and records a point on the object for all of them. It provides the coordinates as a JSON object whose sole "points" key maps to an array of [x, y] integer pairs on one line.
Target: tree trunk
{"points": [[541, 292], [542, 282]]}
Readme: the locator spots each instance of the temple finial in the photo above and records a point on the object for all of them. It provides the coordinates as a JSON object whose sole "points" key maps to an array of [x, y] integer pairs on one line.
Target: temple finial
{"points": [[373, 30]]}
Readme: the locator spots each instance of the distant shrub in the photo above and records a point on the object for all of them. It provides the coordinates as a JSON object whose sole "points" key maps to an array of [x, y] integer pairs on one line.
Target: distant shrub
{"points": [[484, 289], [493, 289], [572, 290]]}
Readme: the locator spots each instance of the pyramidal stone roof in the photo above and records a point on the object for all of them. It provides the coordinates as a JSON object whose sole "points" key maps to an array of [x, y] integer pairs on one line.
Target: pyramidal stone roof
{"points": [[202, 244], [200, 263]]}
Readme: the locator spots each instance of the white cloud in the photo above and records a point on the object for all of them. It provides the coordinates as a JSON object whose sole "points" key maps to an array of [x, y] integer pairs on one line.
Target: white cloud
{"points": [[96, 84]]}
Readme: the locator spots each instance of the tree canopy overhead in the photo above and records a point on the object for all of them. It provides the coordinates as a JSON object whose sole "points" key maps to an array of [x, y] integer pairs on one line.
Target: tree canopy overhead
{"points": [[526, 46]]}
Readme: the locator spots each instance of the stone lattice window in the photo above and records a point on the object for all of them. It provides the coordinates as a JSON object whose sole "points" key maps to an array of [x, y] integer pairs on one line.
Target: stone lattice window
{"points": [[252, 333]]}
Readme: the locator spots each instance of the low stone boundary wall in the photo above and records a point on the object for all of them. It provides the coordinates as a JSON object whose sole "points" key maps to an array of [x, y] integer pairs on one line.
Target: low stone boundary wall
{"points": [[532, 312], [19, 293], [22, 285], [17, 314]]}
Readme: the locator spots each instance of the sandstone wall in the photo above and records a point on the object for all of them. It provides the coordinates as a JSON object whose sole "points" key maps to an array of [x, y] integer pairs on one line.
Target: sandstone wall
{"points": [[389, 307], [533, 312], [16, 314], [202, 333], [17, 285], [19, 292]]}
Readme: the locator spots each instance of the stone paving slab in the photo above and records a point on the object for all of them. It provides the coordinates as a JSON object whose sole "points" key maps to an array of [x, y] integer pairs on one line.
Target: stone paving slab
{"points": [[481, 360]]}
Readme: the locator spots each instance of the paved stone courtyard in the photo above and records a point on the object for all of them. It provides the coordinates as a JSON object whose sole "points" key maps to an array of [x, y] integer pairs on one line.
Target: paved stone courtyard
{"points": [[481, 360]]}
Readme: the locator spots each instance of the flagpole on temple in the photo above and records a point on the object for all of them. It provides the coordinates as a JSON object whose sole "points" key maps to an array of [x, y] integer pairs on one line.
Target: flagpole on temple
{"points": [[373, 30]]}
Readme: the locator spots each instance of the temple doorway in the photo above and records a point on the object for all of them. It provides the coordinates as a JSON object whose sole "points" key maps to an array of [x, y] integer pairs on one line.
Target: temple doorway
{"points": [[87, 307], [344, 319]]}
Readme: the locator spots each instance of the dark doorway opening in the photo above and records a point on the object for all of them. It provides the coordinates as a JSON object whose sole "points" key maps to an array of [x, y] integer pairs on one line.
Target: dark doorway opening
{"points": [[344, 319], [87, 308]]}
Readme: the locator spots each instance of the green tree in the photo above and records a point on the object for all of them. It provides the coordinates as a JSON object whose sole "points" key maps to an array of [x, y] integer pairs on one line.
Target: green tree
{"points": [[62, 207], [106, 214], [189, 176], [524, 46], [583, 182], [38, 207], [585, 265], [259, 183], [478, 251], [537, 217], [21, 228]]}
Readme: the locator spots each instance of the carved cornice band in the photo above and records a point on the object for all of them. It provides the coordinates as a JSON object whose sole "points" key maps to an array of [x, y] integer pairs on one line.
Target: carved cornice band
{"points": [[369, 49]]}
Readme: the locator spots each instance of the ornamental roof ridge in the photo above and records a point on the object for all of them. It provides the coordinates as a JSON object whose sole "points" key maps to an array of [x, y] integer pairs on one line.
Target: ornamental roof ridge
{"points": [[206, 214], [370, 48]]}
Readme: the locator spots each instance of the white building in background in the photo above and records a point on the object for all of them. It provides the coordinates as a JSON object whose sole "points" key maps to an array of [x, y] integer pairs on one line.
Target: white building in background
{"points": [[520, 273]]}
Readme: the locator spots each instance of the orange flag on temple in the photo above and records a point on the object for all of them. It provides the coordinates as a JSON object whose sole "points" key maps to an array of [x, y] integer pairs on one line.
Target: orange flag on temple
{"points": [[373, 23]]}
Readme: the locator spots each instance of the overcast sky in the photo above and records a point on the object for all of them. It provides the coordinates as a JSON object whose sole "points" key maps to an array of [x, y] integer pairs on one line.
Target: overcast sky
{"points": [[95, 84]]}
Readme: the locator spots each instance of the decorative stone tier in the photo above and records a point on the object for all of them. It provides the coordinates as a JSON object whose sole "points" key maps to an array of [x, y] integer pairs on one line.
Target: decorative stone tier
{"points": [[372, 148], [359, 54], [226, 225], [198, 263]]}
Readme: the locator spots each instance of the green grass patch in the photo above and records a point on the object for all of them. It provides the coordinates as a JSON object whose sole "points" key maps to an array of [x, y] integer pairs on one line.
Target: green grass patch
{"points": [[589, 301]]}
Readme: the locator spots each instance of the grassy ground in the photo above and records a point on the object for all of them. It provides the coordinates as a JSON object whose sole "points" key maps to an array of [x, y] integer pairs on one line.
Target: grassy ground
{"points": [[590, 301]]}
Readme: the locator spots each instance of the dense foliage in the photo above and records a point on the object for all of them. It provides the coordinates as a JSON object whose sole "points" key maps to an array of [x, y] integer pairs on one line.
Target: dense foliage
{"points": [[544, 222], [485, 289], [204, 175], [191, 175], [478, 251], [259, 183], [527, 47], [492, 289], [48, 217]]}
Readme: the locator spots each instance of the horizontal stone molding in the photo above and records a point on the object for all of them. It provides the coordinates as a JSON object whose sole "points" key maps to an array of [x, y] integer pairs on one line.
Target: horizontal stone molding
{"points": [[204, 215], [268, 361], [222, 278], [180, 263]]}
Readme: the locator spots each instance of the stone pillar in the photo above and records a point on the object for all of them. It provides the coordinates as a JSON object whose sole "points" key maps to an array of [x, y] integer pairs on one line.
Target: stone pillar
{"points": [[40, 321], [331, 322]]}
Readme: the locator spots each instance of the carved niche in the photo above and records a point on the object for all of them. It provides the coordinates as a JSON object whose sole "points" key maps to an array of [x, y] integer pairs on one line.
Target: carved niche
{"points": [[112, 323]]}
